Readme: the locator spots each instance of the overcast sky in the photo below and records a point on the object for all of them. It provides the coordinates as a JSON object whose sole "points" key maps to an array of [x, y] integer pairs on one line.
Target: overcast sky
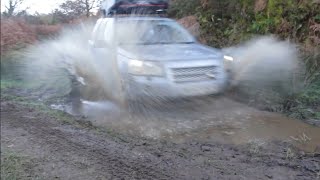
{"points": [[40, 6]]}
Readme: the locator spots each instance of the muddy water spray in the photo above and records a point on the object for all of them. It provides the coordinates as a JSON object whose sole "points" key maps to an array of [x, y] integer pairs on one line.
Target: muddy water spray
{"points": [[265, 71], [54, 62], [262, 61]]}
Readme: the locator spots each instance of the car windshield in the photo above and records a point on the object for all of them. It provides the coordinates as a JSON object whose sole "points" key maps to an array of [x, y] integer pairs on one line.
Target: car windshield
{"points": [[152, 32]]}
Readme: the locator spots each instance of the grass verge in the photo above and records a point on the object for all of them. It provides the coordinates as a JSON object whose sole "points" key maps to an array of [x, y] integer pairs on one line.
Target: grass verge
{"points": [[13, 166], [306, 104]]}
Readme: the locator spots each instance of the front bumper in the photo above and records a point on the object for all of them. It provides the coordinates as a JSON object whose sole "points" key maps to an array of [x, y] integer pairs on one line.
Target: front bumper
{"points": [[141, 86], [181, 79]]}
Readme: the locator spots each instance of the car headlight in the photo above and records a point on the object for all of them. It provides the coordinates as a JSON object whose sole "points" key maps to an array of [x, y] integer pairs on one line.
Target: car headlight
{"points": [[145, 68], [228, 58]]}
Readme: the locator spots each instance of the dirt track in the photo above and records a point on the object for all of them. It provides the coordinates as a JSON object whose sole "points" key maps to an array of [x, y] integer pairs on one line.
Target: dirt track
{"points": [[78, 151]]}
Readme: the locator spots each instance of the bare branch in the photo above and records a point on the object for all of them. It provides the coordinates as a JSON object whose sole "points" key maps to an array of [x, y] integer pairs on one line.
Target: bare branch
{"points": [[92, 4], [12, 6]]}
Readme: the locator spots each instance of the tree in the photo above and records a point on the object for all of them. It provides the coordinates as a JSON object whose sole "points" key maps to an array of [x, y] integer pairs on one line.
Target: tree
{"points": [[72, 9], [60, 17], [89, 5], [12, 6], [76, 8]]}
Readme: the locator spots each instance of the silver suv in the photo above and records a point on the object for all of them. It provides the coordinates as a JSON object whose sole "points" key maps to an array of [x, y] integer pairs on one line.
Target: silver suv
{"points": [[154, 57]]}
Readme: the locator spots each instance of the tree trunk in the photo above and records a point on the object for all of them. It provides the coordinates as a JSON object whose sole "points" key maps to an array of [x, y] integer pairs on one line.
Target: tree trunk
{"points": [[11, 8], [87, 8]]}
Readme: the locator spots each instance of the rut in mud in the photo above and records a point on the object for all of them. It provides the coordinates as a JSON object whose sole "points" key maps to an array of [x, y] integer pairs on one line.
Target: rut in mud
{"points": [[215, 118], [69, 151]]}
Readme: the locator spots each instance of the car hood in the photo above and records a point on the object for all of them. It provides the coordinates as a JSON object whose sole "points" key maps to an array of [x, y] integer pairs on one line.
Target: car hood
{"points": [[170, 52]]}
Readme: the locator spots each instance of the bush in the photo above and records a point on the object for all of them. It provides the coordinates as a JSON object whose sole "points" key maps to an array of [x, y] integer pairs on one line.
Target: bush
{"points": [[46, 30], [17, 34]]}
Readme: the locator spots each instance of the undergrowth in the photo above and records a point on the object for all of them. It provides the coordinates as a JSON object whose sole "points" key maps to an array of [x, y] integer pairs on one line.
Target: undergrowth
{"points": [[305, 104]]}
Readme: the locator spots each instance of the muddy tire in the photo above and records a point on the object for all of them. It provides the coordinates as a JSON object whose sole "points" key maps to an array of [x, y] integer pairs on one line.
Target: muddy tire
{"points": [[75, 94], [122, 99]]}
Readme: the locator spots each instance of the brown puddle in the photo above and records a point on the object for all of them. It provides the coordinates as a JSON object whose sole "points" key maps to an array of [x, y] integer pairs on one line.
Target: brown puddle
{"points": [[217, 120], [262, 128]]}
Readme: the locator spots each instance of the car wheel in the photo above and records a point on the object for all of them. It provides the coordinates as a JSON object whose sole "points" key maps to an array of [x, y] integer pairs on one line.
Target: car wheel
{"points": [[75, 95]]}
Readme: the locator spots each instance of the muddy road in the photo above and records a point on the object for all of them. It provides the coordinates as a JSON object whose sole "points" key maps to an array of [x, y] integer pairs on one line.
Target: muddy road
{"points": [[210, 138], [210, 118]]}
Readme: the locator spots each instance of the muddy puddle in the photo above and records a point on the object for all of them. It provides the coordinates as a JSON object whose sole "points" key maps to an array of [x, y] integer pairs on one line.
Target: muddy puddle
{"points": [[205, 119]]}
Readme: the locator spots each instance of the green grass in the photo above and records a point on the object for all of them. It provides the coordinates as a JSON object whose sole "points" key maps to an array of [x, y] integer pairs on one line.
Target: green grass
{"points": [[19, 84], [56, 114], [310, 95], [13, 166], [43, 108], [36, 105], [7, 84], [306, 103], [8, 97]]}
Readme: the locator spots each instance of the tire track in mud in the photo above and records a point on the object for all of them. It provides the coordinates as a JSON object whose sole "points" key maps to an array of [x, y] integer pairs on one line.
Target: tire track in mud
{"points": [[109, 159], [86, 153]]}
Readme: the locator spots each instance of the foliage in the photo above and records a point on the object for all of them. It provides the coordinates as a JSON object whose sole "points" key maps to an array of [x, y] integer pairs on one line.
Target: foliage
{"points": [[37, 19], [312, 62], [17, 33], [73, 9], [311, 96], [305, 104], [181, 8], [277, 17]]}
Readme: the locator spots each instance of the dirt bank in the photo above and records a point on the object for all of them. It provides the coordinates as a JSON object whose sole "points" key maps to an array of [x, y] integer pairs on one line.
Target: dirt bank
{"points": [[74, 150]]}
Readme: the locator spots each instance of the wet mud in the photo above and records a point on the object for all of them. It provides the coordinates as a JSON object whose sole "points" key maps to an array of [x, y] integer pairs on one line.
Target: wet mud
{"points": [[211, 118], [73, 151]]}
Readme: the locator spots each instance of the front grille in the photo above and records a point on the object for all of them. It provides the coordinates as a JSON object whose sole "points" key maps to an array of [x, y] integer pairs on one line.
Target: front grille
{"points": [[193, 74]]}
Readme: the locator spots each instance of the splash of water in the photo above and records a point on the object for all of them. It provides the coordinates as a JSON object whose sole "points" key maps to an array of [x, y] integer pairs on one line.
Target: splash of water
{"points": [[63, 60], [264, 59], [263, 62], [266, 69]]}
